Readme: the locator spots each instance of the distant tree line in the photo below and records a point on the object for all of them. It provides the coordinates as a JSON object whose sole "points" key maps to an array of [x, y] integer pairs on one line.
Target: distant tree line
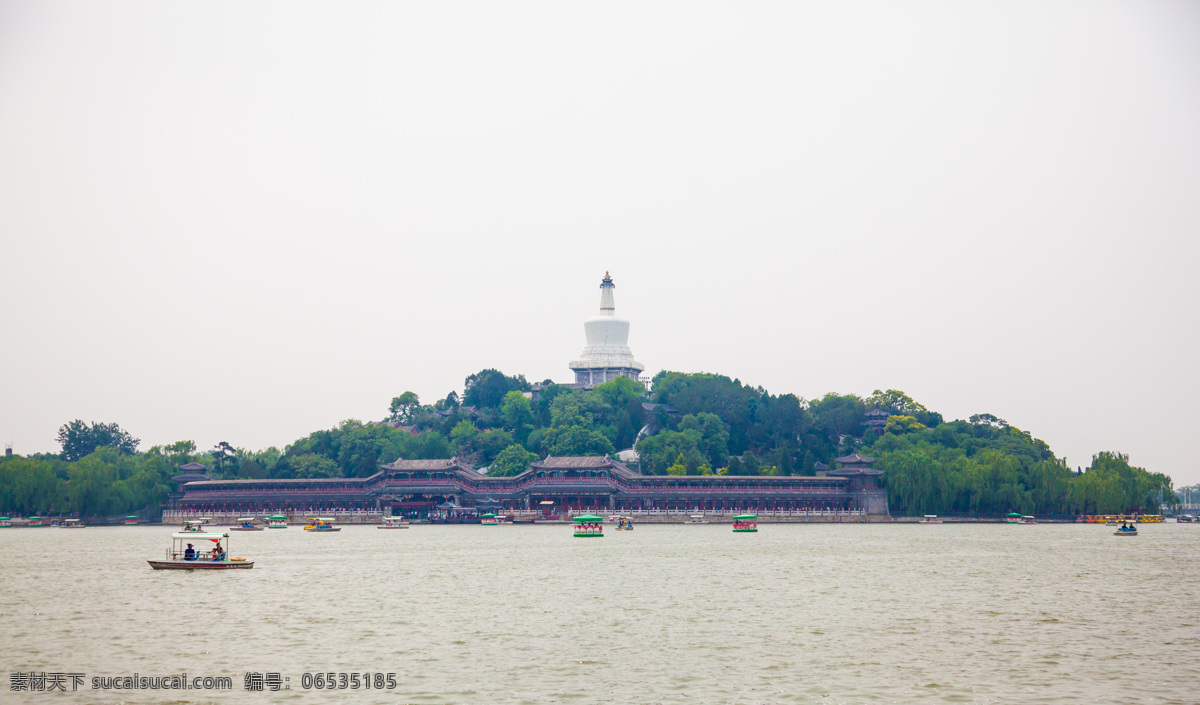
{"points": [[690, 424]]}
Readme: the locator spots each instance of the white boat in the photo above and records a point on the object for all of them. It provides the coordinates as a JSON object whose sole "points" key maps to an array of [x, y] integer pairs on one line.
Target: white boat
{"points": [[246, 524], [1027, 520], [930, 519], [393, 523], [194, 526], [71, 524], [1126, 530], [321, 525], [213, 553], [696, 519]]}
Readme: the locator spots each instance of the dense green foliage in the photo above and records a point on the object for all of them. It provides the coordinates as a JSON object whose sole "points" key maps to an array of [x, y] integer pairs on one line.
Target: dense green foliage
{"points": [[689, 424]]}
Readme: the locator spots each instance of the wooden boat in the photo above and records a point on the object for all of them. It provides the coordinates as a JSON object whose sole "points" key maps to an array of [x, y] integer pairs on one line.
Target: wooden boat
{"points": [[745, 524], [246, 524], [393, 523], [215, 558], [71, 524], [321, 525], [930, 519], [277, 521], [589, 526]]}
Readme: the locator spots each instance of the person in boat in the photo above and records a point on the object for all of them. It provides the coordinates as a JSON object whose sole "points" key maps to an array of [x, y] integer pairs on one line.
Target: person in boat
{"points": [[217, 553], [189, 554]]}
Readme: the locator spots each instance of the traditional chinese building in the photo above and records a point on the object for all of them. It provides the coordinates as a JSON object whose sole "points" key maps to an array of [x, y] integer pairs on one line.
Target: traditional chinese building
{"points": [[597, 483]]}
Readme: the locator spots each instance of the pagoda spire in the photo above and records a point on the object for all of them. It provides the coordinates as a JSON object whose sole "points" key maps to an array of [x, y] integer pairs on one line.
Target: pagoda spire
{"points": [[608, 305]]}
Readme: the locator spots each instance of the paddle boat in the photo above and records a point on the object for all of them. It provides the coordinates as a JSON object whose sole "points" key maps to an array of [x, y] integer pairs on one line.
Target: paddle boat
{"points": [[1026, 519], [1012, 518], [71, 524], [1150, 519], [696, 519], [5, 523], [489, 520], [35, 521], [193, 526], [1181, 519], [930, 519], [624, 524], [589, 526], [393, 523], [213, 554], [1126, 530], [321, 524], [745, 524], [277, 521], [131, 520], [246, 524]]}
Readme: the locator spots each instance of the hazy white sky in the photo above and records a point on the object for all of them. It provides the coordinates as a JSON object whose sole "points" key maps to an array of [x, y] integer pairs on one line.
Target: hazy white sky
{"points": [[248, 221]]}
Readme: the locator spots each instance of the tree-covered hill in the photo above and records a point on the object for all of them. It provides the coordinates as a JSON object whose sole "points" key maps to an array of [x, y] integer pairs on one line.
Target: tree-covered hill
{"points": [[690, 423]]}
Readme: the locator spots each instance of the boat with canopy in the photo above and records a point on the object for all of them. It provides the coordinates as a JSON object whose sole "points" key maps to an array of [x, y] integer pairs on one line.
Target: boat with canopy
{"points": [[213, 553], [321, 524], [277, 521], [489, 520], [246, 524], [588, 526], [131, 520], [393, 523], [745, 524], [71, 524]]}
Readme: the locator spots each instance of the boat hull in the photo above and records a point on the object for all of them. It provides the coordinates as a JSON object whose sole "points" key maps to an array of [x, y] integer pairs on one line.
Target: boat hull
{"points": [[1125, 533], [321, 531], [242, 528], [200, 565], [391, 527], [745, 531]]}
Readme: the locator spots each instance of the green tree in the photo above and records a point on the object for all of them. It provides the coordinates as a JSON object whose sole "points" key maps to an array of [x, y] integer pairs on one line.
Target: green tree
{"points": [[486, 389], [402, 407], [513, 460], [78, 439], [311, 465]]}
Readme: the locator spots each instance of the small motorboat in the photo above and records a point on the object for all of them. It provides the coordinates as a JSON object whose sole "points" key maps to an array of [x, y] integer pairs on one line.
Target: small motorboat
{"points": [[696, 519], [588, 526], [71, 524], [745, 524], [193, 526], [1027, 520], [184, 556], [930, 519], [489, 520], [1185, 519], [277, 521], [624, 524], [393, 523], [246, 524], [321, 525]]}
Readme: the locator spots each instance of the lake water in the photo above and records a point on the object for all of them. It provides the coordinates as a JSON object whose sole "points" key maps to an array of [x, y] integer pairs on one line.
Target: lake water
{"points": [[662, 614]]}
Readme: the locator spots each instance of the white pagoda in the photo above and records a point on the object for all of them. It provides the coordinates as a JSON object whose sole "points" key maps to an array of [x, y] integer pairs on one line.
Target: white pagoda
{"points": [[607, 355]]}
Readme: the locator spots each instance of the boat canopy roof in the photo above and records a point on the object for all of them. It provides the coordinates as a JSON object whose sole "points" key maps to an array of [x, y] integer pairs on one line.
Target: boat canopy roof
{"points": [[487, 515], [277, 516], [321, 519], [1014, 514], [198, 535], [931, 516], [65, 521], [132, 516], [587, 519], [245, 518], [746, 516], [35, 517]]}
